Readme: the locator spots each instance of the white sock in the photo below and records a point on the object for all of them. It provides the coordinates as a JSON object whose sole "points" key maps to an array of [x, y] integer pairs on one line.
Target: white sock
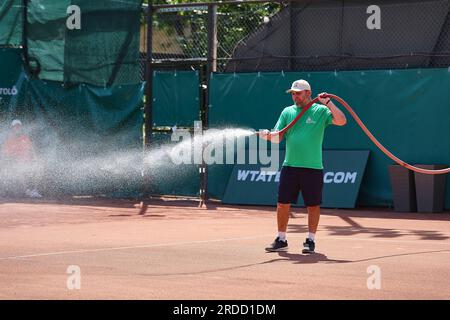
{"points": [[282, 236], [311, 236]]}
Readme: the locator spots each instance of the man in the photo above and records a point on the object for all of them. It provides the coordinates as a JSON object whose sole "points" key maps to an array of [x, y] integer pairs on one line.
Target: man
{"points": [[18, 158], [302, 168]]}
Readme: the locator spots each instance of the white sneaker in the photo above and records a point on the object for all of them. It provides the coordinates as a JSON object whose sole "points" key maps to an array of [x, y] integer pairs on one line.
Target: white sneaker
{"points": [[33, 193]]}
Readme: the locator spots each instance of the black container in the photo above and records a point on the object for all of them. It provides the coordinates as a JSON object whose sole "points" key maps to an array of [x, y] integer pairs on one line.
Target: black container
{"points": [[403, 189], [430, 189]]}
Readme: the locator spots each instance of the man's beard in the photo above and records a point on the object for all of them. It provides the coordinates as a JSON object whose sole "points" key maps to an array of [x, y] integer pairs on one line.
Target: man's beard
{"points": [[301, 104]]}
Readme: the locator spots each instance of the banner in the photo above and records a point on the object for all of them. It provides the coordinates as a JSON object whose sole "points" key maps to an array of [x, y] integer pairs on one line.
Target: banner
{"points": [[343, 173], [12, 83]]}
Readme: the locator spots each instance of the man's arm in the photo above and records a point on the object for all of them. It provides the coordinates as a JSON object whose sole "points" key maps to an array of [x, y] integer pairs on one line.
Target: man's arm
{"points": [[339, 118]]}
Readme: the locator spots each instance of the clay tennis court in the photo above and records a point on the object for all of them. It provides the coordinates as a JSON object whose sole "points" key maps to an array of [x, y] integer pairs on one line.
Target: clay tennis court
{"points": [[170, 249]]}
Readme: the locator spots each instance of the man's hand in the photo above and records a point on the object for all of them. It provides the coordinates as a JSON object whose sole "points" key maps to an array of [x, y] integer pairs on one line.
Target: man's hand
{"points": [[264, 134], [338, 116], [323, 98], [270, 136]]}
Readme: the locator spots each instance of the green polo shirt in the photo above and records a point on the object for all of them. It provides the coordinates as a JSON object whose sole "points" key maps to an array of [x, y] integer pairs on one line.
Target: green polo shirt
{"points": [[304, 139]]}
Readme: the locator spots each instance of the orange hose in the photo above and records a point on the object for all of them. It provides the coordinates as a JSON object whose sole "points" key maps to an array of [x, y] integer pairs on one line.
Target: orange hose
{"points": [[367, 132]]}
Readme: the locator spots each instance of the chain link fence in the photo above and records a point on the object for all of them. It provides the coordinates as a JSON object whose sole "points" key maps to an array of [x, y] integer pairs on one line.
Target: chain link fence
{"points": [[180, 34], [307, 35], [289, 36], [143, 44]]}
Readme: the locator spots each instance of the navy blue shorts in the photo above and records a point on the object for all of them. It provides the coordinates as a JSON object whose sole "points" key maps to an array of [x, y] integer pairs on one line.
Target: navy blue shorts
{"points": [[308, 181]]}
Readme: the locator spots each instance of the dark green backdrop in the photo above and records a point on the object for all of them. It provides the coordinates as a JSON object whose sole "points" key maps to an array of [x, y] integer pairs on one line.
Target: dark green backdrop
{"points": [[103, 52], [11, 21], [175, 98]]}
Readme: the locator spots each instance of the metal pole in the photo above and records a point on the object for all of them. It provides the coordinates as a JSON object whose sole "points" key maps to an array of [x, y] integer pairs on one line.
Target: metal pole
{"points": [[148, 119], [25, 35], [212, 38], [201, 4], [202, 169], [292, 44], [210, 68], [149, 78]]}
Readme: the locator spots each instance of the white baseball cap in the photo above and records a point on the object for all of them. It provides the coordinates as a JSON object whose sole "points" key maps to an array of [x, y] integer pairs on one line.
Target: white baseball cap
{"points": [[16, 122], [299, 85]]}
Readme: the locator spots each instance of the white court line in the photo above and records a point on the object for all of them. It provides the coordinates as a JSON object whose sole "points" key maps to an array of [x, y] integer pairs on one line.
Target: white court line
{"points": [[130, 247], [421, 242]]}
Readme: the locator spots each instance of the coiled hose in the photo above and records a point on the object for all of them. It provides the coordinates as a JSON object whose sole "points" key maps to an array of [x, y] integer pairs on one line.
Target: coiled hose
{"points": [[366, 131]]}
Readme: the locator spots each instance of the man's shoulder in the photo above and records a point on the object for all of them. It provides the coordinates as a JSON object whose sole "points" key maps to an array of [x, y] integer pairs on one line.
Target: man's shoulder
{"points": [[288, 109], [319, 106]]}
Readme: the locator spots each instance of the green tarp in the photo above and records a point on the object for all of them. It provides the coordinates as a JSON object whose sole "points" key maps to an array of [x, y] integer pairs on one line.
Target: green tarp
{"points": [[12, 80], [11, 21], [103, 52], [167, 178], [175, 98], [45, 36]]}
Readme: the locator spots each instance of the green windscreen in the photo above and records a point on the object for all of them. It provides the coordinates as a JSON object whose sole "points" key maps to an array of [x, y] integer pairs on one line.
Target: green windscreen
{"points": [[11, 21], [175, 98], [104, 51]]}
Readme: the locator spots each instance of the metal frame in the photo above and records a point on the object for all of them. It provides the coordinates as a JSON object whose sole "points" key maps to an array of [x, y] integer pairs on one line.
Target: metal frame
{"points": [[213, 3]]}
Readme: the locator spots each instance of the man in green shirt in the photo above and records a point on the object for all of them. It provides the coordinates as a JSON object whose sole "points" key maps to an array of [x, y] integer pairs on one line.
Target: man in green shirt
{"points": [[302, 168]]}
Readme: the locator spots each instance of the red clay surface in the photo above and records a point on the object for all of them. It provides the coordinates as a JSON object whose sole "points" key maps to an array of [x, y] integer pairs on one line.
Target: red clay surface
{"points": [[173, 250]]}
